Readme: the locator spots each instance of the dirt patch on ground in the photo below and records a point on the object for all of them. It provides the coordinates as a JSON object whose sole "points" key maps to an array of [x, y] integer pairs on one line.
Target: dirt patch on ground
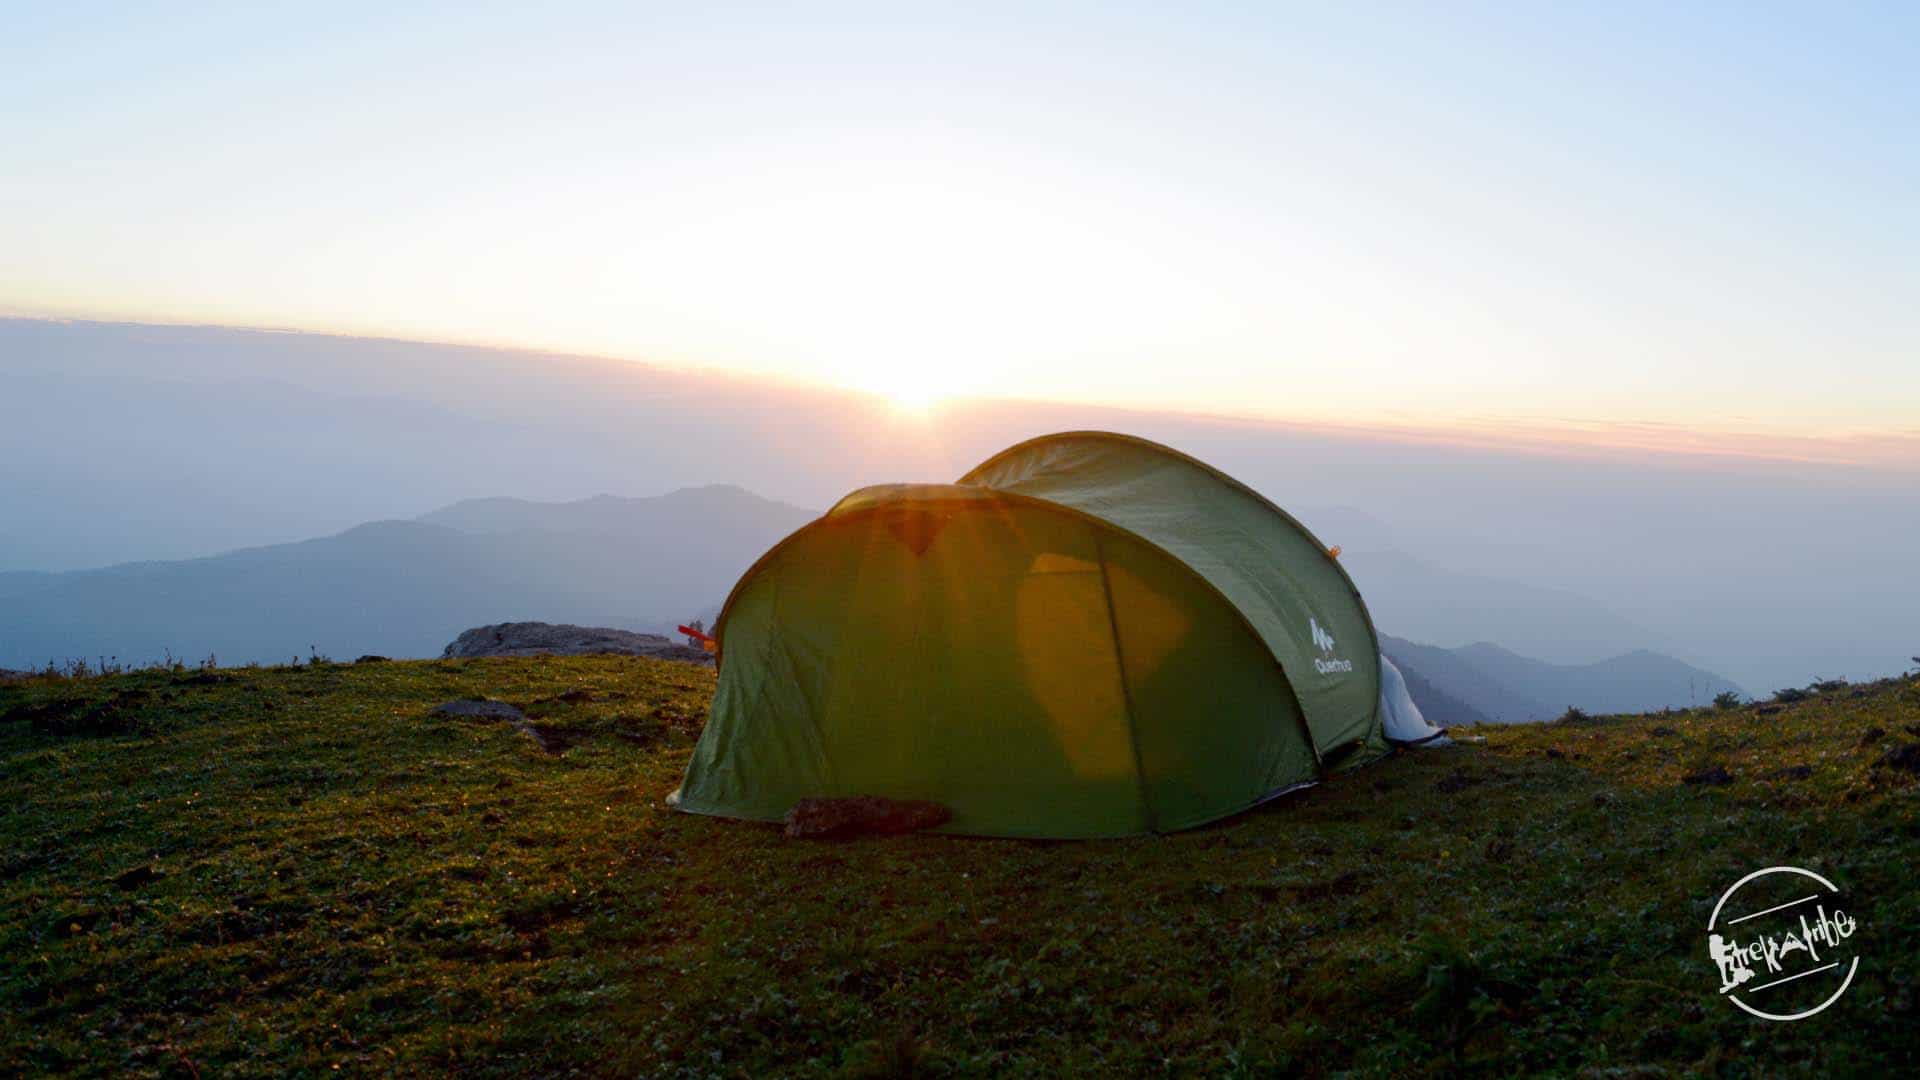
{"points": [[122, 713], [1348, 884], [861, 815], [480, 709], [1905, 758], [1457, 781], [548, 738], [1711, 776]]}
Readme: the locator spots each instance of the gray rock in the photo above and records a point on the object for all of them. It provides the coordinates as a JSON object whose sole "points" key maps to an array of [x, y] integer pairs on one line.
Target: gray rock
{"points": [[559, 639]]}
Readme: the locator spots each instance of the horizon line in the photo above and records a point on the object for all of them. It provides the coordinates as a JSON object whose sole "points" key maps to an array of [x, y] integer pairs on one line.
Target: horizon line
{"points": [[1571, 437]]}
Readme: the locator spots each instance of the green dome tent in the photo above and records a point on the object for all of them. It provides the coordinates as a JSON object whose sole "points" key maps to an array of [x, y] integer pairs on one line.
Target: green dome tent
{"points": [[1088, 635]]}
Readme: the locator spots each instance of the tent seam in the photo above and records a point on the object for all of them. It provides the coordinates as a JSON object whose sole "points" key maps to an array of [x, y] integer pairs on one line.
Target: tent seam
{"points": [[1126, 691], [819, 737]]}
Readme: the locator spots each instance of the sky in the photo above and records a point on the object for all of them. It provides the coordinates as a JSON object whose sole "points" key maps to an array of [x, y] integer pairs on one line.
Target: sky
{"points": [[1675, 223]]}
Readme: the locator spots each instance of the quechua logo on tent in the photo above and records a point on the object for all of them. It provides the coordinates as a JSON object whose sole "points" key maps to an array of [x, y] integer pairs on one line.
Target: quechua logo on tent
{"points": [[1322, 640]]}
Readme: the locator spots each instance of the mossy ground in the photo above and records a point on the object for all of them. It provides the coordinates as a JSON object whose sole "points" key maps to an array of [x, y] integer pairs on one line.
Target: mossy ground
{"points": [[303, 871]]}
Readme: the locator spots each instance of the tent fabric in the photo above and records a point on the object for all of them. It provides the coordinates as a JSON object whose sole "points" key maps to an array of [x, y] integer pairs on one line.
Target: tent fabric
{"points": [[1044, 657], [1401, 720], [1282, 579]]}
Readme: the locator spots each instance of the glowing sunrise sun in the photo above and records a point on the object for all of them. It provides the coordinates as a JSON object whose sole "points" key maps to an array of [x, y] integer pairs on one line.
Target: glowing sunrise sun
{"points": [[909, 391]]}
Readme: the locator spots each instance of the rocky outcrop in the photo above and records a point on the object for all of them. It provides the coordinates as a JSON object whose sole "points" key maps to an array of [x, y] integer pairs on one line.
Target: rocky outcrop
{"points": [[859, 815], [559, 639]]}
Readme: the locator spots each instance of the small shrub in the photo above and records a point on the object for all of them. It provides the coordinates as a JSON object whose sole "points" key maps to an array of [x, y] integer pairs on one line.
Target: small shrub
{"points": [[76, 668], [1726, 699], [1575, 715], [1790, 695], [1827, 686]]}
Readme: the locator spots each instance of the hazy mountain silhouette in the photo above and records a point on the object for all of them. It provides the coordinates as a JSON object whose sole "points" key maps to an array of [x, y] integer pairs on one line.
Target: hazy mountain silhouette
{"points": [[1505, 687], [406, 588], [1639, 681], [1444, 670], [680, 517], [1439, 707], [1429, 603]]}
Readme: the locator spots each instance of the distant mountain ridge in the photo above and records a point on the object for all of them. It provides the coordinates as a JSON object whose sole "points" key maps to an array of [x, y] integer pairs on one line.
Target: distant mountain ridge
{"points": [[1638, 681], [1440, 708], [406, 588], [711, 508], [1431, 603], [1505, 687]]}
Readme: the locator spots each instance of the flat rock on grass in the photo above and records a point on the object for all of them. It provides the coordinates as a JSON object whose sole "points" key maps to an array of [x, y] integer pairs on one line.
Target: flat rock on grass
{"points": [[858, 815]]}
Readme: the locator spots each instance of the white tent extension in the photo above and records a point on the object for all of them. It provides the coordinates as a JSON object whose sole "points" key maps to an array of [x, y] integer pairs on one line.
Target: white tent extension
{"points": [[1399, 716]]}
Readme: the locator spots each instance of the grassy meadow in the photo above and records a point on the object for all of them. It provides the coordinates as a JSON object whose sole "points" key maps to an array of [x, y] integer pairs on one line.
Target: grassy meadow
{"points": [[305, 871]]}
